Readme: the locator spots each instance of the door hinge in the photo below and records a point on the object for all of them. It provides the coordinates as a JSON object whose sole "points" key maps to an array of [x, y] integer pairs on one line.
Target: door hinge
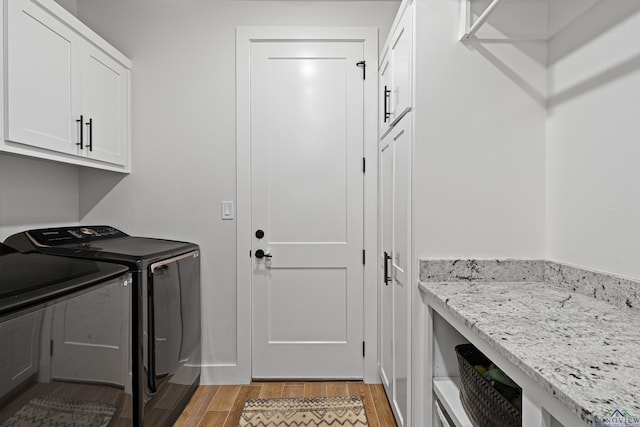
{"points": [[362, 348], [363, 65], [364, 165], [363, 256], [51, 348], [249, 253]]}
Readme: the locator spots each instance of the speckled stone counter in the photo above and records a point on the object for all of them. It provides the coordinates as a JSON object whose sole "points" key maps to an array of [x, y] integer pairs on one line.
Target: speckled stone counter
{"points": [[582, 350]]}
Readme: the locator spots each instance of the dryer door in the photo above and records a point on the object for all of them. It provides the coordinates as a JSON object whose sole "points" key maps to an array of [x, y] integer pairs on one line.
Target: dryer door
{"points": [[173, 301]]}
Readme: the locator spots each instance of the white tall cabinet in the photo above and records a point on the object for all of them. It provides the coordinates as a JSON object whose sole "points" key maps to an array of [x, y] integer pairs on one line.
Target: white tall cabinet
{"points": [[395, 159], [66, 89]]}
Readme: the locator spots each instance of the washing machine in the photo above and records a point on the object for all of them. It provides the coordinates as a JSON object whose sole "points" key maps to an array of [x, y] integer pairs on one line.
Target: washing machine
{"points": [[166, 325], [65, 341]]}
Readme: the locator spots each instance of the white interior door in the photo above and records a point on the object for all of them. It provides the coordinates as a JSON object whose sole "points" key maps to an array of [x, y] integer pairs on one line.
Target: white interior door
{"points": [[307, 197]]}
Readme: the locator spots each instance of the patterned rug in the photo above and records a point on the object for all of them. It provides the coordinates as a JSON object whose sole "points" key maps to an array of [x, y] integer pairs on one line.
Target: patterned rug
{"points": [[304, 412], [50, 411]]}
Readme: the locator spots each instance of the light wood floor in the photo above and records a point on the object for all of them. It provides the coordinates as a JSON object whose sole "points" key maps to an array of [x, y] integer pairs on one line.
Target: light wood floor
{"points": [[220, 406]]}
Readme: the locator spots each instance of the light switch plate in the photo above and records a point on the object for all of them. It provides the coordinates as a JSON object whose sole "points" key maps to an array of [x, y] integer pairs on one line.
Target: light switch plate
{"points": [[227, 209]]}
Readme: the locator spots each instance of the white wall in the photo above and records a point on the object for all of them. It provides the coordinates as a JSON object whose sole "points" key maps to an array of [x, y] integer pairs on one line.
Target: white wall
{"points": [[479, 145], [479, 155], [183, 128], [593, 139], [36, 194]]}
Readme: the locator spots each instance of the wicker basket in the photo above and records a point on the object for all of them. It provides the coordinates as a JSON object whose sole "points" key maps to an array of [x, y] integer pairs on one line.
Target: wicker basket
{"points": [[485, 406]]}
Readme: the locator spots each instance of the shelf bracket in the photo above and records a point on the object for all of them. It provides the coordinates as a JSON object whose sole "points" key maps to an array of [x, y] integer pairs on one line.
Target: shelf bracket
{"points": [[466, 29]]}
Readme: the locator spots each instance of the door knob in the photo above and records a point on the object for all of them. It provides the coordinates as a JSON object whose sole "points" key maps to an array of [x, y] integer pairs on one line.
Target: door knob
{"points": [[261, 254]]}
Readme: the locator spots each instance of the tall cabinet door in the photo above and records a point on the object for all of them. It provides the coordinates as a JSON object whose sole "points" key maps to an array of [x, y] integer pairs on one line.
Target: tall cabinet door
{"points": [[104, 106], [41, 85], [385, 338], [401, 264], [395, 260]]}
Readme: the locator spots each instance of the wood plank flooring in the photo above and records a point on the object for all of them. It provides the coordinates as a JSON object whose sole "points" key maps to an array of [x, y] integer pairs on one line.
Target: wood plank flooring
{"points": [[221, 406]]}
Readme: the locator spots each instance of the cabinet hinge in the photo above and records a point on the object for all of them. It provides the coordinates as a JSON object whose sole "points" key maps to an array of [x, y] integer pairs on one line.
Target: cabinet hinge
{"points": [[363, 256], [364, 165], [362, 348], [363, 65]]}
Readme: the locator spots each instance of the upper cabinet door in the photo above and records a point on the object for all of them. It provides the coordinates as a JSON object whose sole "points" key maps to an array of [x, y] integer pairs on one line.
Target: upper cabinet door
{"points": [[384, 93], [105, 92], [40, 83], [401, 65]]}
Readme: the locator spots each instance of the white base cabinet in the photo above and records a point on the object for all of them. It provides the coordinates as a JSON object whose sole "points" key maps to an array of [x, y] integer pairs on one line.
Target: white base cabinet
{"points": [[66, 89], [442, 332]]}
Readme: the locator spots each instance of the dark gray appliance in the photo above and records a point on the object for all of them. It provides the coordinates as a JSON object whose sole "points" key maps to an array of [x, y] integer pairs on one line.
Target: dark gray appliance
{"points": [[64, 340], [165, 309]]}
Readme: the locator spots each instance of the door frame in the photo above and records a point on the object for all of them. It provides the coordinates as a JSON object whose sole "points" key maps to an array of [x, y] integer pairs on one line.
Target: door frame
{"points": [[245, 36]]}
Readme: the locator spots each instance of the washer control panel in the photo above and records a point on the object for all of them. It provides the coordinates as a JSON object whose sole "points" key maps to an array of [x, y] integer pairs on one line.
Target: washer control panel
{"points": [[73, 235]]}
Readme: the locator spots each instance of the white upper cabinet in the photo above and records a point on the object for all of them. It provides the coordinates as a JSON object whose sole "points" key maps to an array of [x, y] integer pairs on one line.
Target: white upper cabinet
{"points": [[395, 70], [66, 89]]}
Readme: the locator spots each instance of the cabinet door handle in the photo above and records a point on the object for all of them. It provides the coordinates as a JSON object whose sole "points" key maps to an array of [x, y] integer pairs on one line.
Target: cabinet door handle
{"points": [[387, 97], [90, 125], [387, 278], [81, 143]]}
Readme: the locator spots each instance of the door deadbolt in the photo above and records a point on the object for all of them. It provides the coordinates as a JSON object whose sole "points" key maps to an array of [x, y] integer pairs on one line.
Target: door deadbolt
{"points": [[259, 234]]}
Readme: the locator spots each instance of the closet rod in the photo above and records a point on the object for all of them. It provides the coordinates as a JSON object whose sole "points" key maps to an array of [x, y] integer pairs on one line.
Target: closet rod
{"points": [[481, 20]]}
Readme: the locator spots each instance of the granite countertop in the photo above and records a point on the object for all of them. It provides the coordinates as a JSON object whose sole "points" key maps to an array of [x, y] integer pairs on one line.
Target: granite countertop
{"points": [[584, 351]]}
